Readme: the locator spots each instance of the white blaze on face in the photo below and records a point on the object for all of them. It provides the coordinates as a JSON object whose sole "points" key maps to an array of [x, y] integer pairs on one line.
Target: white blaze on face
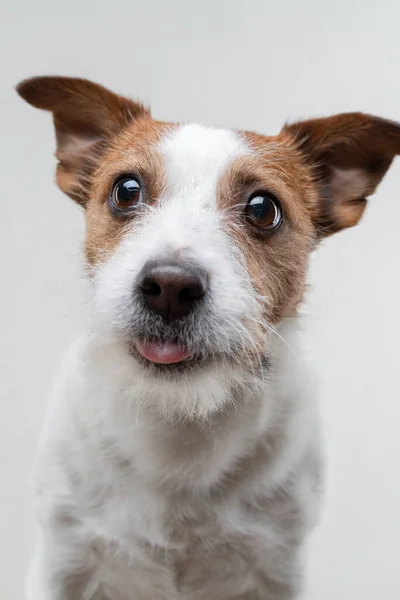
{"points": [[194, 159]]}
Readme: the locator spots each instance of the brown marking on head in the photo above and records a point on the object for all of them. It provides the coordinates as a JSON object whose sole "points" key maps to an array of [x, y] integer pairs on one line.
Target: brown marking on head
{"points": [[321, 171], [86, 117], [133, 151], [100, 136], [277, 261]]}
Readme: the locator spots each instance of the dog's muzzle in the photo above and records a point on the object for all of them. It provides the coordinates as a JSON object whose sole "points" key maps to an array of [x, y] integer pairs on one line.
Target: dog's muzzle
{"points": [[170, 293]]}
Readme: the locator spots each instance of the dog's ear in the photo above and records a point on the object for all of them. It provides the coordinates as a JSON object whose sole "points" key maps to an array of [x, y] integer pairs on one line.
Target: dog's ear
{"points": [[86, 115], [349, 154]]}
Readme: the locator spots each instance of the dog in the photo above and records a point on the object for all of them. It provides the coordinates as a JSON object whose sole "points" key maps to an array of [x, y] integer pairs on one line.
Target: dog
{"points": [[181, 455]]}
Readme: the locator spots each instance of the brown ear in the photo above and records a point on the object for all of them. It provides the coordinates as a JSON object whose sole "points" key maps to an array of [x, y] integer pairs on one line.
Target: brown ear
{"points": [[350, 153], [86, 115]]}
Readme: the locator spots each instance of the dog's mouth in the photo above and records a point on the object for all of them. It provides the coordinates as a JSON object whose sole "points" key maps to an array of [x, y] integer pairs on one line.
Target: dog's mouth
{"points": [[170, 357], [166, 357], [163, 352], [181, 347]]}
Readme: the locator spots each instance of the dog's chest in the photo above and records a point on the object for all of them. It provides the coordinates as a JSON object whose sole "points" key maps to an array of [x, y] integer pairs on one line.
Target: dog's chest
{"points": [[161, 552], [153, 543]]}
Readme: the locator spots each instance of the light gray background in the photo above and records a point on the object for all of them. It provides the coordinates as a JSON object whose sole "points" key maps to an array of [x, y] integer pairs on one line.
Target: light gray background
{"points": [[252, 65]]}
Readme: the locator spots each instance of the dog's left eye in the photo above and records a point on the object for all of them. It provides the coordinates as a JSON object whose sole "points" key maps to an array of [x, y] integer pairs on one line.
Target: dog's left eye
{"points": [[264, 211], [126, 195]]}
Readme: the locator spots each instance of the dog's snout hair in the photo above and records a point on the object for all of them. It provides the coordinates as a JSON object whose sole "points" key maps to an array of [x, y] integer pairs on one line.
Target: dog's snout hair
{"points": [[181, 456]]}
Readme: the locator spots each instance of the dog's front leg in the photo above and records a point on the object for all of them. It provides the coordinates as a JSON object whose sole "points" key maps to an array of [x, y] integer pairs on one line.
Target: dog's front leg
{"points": [[63, 566]]}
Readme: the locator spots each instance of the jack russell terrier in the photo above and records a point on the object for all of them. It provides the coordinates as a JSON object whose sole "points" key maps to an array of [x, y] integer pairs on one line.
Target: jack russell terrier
{"points": [[181, 458]]}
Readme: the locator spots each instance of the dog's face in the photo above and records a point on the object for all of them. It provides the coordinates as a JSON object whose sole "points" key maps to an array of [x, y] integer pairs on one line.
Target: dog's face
{"points": [[198, 239], [197, 246]]}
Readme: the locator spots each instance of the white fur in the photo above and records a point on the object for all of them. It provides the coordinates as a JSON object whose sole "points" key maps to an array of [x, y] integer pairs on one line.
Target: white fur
{"points": [[156, 489]]}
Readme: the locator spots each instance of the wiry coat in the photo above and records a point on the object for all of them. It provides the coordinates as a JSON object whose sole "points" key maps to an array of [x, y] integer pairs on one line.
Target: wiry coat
{"points": [[199, 480]]}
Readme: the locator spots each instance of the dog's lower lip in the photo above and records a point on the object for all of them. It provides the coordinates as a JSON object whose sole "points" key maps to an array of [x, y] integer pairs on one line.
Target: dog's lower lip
{"points": [[162, 352]]}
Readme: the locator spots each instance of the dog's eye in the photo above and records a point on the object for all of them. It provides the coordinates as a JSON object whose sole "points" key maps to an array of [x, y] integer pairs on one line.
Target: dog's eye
{"points": [[126, 195], [264, 211]]}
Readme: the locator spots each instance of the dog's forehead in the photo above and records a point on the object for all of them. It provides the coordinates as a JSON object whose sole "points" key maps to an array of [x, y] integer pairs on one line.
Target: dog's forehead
{"points": [[198, 155]]}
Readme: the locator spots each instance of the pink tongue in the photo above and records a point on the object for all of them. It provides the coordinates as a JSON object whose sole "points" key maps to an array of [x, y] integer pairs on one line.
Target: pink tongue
{"points": [[164, 353]]}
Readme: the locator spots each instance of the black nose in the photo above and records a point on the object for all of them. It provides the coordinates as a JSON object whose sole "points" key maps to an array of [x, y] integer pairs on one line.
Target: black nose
{"points": [[172, 289]]}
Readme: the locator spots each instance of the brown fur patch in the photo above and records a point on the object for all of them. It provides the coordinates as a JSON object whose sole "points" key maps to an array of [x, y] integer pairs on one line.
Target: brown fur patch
{"points": [[277, 261], [86, 116], [100, 137], [132, 151]]}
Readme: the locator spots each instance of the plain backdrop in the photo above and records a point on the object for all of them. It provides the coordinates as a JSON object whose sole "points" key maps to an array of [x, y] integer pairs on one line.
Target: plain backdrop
{"points": [[250, 64]]}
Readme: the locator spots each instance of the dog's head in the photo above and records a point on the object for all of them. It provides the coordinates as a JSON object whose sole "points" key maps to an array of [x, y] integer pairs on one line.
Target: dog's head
{"points": [[198, 239]]}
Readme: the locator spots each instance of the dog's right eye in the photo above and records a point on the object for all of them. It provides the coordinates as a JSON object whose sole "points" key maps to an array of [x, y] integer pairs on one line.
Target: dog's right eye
{"points": [[125, 196]]}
